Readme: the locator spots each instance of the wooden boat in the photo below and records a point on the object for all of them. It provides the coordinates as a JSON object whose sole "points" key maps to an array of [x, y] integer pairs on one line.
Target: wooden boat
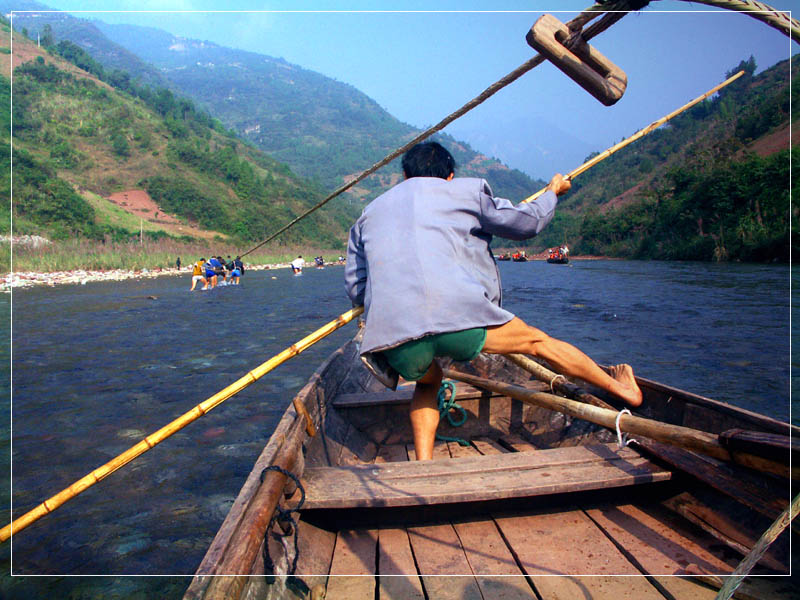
{"points": [[558, 260], [558, 256], [536, 505]]}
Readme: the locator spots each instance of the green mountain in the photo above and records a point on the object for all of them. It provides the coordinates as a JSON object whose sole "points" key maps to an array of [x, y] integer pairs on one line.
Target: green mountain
{"points": [[83, 134], [712, 184], [323, 129]]}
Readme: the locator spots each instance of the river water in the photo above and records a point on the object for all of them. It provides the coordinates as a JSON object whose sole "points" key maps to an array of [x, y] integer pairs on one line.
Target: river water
{"points": [[99, 366]]}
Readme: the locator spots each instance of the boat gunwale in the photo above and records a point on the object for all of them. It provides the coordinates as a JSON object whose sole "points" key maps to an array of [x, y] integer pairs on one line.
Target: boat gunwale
{"points": [[291, 425]]}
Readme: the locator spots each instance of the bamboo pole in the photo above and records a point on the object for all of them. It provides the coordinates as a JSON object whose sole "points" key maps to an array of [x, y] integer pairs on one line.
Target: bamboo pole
{"points": [[734, 580], [159, 436], [675, 435], [639, 134]]}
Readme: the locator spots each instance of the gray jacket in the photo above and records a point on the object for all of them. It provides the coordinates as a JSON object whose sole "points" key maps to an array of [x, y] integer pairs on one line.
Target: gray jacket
{"points": [[418, 258]]}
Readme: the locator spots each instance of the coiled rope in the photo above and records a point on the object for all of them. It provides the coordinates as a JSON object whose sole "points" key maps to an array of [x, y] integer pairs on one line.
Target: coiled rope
{"points": [[283, 515], [447, 402]]}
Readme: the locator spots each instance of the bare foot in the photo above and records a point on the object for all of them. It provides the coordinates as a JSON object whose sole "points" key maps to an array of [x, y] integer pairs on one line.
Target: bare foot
{"points": [[630, 391]]}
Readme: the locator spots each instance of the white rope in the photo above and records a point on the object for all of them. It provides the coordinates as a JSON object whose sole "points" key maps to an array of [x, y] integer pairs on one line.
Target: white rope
{"points": [[556, 378], [622, 438]]}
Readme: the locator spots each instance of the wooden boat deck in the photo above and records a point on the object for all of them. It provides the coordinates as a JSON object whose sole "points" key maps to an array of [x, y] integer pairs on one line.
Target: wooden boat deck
{"points": [[538, 505], [504, 553]]}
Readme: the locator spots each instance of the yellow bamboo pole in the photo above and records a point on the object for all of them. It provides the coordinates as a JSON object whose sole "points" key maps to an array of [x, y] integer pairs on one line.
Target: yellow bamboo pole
{"points": [[639, 134], [159, 436]]}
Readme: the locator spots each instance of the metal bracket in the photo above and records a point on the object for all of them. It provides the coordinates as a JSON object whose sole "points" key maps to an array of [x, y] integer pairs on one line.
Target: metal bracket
{"points": [[582, 63]]}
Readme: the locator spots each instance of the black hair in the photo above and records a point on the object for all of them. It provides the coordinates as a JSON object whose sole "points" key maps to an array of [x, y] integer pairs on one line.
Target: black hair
{"points": [[428, 159]]}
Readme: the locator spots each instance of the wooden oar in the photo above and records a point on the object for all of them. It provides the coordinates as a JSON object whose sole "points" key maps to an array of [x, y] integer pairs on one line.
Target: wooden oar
{"points": [[639, 134], [159, 436], [685, 437]]}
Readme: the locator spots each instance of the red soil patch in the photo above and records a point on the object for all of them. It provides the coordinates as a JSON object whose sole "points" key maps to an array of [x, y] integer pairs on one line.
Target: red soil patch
{"points": [[140, 204], [774, 142], [624, 198]]}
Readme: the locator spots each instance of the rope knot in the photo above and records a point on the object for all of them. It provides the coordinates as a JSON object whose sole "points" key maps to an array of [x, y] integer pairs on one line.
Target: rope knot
{"points": [[555, 378], [622, 438]]}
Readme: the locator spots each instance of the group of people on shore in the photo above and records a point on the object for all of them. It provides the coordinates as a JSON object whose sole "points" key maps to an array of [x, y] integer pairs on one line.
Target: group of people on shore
{"points": [[209, 271]]}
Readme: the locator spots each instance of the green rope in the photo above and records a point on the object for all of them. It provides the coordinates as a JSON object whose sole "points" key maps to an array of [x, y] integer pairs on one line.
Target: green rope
{"points": [[445, 405]]}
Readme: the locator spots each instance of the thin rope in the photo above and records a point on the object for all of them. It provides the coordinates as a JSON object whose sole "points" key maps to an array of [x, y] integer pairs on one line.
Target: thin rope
{"points": [[734, 580], [556, 378], [758, 10], [622, 438], [612, 12]]}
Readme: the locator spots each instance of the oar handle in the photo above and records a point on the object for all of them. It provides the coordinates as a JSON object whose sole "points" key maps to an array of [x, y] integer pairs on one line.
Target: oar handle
{"points": [[159, 436], [639, 134]]}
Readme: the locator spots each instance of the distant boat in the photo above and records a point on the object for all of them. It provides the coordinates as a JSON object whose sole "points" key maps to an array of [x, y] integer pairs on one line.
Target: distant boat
{"points": [[558, 256], [504, 256], [519, 257]]}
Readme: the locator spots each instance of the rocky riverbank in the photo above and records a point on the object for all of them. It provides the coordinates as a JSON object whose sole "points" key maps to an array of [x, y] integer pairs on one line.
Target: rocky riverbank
{"points": [[21, 279]]}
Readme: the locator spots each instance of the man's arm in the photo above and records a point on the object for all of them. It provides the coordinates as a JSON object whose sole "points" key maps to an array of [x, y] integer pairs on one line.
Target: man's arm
{"points": [[355, 269], [523, 221]]}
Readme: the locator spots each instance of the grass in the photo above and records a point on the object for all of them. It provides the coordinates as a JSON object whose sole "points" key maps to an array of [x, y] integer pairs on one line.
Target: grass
{"points": [[87, 255]]}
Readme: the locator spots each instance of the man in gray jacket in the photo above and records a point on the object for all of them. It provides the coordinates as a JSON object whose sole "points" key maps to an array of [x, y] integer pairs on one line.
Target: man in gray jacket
{"points": [[419, 261]]}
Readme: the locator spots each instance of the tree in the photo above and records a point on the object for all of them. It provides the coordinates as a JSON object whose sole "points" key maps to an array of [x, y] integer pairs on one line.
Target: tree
{"points": [[47, 39]]}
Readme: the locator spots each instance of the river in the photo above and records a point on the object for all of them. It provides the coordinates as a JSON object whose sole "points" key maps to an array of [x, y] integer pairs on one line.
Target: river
{"points": [[98, 366]]}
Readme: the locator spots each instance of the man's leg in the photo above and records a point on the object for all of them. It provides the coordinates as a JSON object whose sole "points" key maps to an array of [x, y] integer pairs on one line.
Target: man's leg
{"points": [[516, 336], [425, 411]]}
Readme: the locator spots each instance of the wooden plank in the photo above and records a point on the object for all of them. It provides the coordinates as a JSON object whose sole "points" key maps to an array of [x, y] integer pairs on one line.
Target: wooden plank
{"points": [[597, 588], [518, 443], [736, 482], [685, 588], [396, 561], [400, 396], [489, 557], [562, 542], [732, 524], [315, 553], [659, 541], [392, 453], [459, 451], [440, 451], [488, 446], [513, 475], [769, 445], [665, 396], [438, 552], [354, 555]]}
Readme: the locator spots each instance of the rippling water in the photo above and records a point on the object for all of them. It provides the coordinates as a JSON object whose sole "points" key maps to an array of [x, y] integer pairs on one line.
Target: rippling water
{"points": [[97, 367]]}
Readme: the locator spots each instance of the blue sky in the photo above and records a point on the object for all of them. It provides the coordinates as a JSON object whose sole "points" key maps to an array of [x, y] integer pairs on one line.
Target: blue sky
{"points": [[421, 66]]}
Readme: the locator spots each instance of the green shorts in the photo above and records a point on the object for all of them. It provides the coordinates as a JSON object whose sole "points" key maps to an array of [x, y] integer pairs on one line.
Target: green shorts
{"points": [[413, 358]]}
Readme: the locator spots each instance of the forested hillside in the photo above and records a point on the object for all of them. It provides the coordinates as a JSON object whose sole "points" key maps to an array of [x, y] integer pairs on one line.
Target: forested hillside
{"points": [[713, 184], [323, 129], [82, 133]]}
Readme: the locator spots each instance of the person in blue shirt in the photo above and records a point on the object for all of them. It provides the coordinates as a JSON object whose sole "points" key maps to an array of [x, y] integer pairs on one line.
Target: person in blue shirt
{"points": [[213, 267], [419, 261]]}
